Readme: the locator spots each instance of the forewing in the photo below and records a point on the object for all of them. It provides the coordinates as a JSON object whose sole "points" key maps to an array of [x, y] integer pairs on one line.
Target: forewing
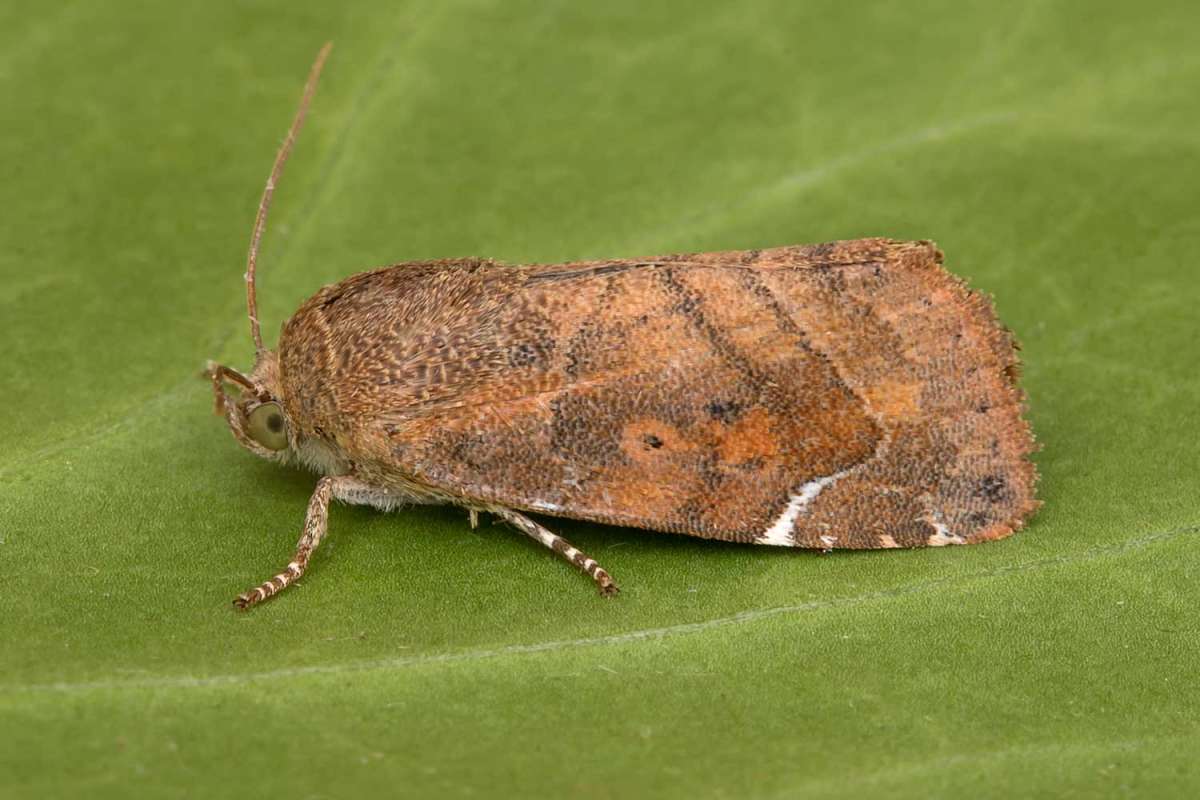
{"points": [[848, 395]]}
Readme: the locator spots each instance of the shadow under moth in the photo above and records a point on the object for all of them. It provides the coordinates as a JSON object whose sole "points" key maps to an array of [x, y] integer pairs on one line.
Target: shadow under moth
{"points": [[844, 395]]}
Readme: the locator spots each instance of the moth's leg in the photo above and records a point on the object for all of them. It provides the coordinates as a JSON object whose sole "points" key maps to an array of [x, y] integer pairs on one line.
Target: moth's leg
{"points": [[315, 523], [558, 545]]}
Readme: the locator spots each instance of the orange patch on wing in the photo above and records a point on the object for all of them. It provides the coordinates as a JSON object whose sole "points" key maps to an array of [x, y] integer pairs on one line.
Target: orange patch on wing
{"points": [[749, 438], [651, 498], [895, 399]]}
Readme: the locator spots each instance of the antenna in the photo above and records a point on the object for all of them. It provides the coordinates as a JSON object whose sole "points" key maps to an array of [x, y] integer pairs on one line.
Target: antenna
{"points": [[260, 222]]}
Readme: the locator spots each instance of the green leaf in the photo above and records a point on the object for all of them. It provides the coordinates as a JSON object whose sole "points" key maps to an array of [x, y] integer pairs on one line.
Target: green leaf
{"points": [[1049, 148]]}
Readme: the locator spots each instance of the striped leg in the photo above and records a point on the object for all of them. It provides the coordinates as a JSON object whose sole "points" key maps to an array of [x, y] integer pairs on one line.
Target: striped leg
{"points": [[559, 545], [314, 530]]}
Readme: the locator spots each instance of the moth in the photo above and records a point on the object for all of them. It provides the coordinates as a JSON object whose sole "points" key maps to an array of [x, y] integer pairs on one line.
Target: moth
{"points": [[850, 394]]}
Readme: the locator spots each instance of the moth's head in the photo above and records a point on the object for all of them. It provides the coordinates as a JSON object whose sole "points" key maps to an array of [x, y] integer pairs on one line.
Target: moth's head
{"points": [[251, 404], [252, 407]]}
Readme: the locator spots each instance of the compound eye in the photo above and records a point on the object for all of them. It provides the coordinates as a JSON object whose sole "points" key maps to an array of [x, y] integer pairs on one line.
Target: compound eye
{"points": [[266, 426]]}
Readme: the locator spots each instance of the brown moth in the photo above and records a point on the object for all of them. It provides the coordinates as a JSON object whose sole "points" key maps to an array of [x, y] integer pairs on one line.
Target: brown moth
{"points": [[844, 395]]}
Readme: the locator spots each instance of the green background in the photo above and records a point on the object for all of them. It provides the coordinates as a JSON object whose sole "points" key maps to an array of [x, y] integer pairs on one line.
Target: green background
{"points": [[1050, 149]]}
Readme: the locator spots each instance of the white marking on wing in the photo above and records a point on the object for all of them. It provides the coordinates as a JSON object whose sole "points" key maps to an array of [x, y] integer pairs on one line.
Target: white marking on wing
{"points": [[780, 533], [943, 536]]}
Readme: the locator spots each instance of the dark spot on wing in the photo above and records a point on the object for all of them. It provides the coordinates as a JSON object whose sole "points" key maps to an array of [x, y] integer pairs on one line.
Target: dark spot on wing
{"points": [[651, 441], [522, 355], [991, 487], [724, 410]]}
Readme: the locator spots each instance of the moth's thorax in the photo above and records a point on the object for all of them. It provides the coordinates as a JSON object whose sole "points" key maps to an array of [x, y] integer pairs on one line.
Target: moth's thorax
{"points": [[381, 342]]}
